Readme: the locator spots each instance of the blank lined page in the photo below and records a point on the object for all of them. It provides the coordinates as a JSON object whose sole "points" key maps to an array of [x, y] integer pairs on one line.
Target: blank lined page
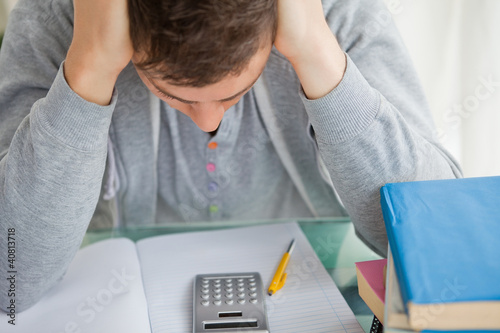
{"points": [[101, 292], [309, 301]]}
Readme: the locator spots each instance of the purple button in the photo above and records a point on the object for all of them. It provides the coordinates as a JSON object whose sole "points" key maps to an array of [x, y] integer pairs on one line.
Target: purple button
{"points": [[212, 186], [210, 167]]}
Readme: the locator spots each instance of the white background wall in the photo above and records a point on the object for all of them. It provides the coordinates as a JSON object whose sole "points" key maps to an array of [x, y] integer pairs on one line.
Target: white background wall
{"points": [[455, 45], [5, 7]]}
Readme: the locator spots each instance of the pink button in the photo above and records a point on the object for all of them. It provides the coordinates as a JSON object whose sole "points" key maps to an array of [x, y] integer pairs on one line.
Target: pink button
{"points": [[210, 167]]}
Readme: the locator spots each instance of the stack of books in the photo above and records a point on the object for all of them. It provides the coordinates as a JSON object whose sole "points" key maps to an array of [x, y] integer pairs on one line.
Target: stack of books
{"points": [[444, 257]]}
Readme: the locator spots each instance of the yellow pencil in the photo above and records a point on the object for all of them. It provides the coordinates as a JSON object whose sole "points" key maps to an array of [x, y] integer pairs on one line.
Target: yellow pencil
{"points": [[280, 276]]}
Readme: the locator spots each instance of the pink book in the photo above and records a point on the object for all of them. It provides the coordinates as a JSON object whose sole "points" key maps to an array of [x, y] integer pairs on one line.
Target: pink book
{"points": [[371, 285]]}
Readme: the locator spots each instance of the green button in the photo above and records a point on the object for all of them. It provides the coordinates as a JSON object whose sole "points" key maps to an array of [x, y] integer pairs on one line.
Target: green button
{"points": [[214, 209]]}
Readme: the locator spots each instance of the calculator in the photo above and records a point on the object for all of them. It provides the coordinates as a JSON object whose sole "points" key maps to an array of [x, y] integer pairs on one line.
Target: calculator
{"points": [[229, 303]]}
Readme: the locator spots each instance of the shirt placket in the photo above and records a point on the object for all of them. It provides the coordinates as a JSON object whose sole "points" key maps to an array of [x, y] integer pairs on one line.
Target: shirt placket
{"points": [[212, 190]]}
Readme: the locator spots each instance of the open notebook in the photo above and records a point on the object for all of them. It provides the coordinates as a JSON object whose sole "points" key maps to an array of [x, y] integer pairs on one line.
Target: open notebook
{"points": [[118, 286]]}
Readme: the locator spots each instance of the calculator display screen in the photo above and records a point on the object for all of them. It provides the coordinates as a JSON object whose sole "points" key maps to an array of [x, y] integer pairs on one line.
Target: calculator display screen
{"points": [[229, 324]]}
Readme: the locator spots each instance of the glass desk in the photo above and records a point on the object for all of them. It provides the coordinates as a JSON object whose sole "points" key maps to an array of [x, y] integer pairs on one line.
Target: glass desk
{"points": [[334, 241]]}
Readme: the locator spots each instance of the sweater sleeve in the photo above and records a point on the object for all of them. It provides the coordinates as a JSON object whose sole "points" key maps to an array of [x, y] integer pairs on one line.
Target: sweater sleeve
{"points": [[53, 147], [375, 127]]}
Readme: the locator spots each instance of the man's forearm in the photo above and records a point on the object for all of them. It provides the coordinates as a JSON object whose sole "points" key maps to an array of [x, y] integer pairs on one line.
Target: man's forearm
{"points": [[87, 80], [321, 65], [306, 40], [366, 143], [50, 182], [53, 147], [101, 48]]}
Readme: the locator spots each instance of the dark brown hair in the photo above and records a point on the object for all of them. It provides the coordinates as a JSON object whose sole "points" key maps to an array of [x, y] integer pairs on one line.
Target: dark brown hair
{"points": [[199, 42]]}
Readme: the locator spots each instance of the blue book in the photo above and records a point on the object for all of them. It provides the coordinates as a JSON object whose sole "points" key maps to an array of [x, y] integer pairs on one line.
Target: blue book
{"points": [[445, 241]]}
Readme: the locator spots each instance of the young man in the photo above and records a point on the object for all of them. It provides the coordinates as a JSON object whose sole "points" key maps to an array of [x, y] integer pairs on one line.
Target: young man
{"points": [[195, 116]]}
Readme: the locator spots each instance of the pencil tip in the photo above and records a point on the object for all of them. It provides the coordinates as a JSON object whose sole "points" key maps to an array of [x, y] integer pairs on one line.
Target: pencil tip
{"points": [[270, 293]]}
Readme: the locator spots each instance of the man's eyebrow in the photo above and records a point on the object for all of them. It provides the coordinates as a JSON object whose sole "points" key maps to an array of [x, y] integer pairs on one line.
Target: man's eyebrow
{"points": [[194, 102]]}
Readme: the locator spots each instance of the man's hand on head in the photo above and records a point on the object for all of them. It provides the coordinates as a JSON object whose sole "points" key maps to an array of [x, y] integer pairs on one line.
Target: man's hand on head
{"points": [[100, 50], [306, 40], [102, 47]]}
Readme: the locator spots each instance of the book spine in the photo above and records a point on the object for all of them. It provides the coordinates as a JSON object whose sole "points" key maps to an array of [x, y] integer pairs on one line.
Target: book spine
{"points": [[390, 221]]}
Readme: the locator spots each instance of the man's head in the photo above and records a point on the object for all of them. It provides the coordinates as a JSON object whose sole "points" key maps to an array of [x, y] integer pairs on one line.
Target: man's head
{"points": [[203, 52]]}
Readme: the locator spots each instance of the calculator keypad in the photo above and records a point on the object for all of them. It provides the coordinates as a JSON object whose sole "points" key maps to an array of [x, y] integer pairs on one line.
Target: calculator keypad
{"points": [[229, 290]]}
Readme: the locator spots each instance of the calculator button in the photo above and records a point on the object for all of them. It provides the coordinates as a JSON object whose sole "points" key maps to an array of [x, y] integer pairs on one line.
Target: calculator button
{"points": [[229, 280], [205, 296], [252, 294], [217, 302], [204, 290], [205, 303], [253, 300], [241, 284], [251, 279], [217, 296], [252, 288], [240, 280], [217, 290], [229, 295], [252, 283], [229, 284], [229, 289], [217, 285], [229, 301], [217, 281], [241, 295], [240, 288], [241, 301]]}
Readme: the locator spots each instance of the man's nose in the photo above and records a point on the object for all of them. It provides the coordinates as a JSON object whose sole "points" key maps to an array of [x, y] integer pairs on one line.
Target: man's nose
{"points": [[207, 115]]}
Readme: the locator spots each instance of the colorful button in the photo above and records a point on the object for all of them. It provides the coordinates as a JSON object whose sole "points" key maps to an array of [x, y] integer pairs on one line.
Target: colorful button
{"points": [[213, 209], [212, 145], [213, 187], [211, 167]]}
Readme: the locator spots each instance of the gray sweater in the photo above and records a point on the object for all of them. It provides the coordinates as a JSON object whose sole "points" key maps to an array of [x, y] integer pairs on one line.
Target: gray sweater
{"points": [[62, 158]]}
